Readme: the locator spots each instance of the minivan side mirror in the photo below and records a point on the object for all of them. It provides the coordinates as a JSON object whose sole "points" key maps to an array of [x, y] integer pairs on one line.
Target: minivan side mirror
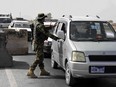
{"points": [[61, 34]]}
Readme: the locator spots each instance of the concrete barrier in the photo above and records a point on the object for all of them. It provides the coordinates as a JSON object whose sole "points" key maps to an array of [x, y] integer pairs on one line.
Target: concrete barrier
{"points": [[5, 58], [17, 41]]}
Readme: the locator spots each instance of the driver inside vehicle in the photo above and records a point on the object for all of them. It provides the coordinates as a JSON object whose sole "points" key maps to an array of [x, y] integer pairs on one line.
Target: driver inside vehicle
{"points": [[74, 32]]}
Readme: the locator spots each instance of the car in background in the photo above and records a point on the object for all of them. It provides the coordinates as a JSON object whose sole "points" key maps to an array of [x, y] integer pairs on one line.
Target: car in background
{"points": [[47, 46], [5, 20], [48, 43], [20, 24]]}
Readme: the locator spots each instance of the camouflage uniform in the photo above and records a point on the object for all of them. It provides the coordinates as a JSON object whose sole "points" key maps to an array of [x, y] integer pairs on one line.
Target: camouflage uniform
{"points": [[40, 35]]}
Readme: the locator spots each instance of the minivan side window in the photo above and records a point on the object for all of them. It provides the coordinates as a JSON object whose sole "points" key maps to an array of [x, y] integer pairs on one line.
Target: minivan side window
{"points": [[59, 27], [56, 28], [109, 32], [64, 28]]}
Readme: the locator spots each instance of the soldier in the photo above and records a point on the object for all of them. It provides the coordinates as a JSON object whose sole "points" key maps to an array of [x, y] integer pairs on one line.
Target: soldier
{"points": [[40, 35]]}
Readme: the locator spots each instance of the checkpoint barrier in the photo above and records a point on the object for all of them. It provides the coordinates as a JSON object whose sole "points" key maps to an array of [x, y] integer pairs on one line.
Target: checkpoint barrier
{"points": [[5, 58], [17, 41]]}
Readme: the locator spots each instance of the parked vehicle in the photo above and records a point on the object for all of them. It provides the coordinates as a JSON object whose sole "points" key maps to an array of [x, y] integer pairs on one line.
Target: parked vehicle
{"points": [[48, 42], [47, 46], [87, 50], [20, 24], [5, 20]]}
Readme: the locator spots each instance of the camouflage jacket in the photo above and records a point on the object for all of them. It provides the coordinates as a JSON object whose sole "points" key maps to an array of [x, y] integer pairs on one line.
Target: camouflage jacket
{"points": [[41, 34]]}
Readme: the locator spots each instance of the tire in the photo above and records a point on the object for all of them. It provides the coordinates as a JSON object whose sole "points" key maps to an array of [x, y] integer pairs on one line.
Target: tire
{"points": [[54, 65], [70, 80]]}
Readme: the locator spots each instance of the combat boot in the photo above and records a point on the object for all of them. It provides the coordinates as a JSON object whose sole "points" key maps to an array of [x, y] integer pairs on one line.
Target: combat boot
{"points": [[31, 73], [44, 73]]}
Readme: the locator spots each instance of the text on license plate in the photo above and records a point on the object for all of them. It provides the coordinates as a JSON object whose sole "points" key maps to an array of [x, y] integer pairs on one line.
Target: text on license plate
{"points": [[97, 69]]}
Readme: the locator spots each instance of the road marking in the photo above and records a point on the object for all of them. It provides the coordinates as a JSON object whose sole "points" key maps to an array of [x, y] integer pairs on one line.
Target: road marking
{"points": [[11, 78]]}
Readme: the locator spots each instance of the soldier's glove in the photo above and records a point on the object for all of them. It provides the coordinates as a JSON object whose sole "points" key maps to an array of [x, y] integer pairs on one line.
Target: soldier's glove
{"points": [[35, 42]]}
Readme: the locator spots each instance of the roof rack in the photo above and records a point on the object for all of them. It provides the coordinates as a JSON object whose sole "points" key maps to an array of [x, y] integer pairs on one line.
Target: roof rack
{"points": [[95, 16], [87, 15], [63, 15], [69, 16]]}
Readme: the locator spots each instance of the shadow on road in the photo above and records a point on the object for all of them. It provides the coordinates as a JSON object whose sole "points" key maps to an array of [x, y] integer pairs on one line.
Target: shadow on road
{"points": [[20, 65], [51, 77], [86, 82], [94, 83]]}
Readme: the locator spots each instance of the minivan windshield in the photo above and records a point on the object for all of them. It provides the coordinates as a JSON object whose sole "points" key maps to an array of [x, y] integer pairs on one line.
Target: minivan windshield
{"points": [[91, 31]]}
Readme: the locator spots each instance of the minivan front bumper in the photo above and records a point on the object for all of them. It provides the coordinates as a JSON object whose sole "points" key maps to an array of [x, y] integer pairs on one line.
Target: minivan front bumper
{"points": [[92, 69]]}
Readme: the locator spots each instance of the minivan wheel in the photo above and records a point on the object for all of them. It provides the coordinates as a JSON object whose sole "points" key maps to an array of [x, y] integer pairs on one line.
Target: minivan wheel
{"points": [[53, 62], [70, 80]]}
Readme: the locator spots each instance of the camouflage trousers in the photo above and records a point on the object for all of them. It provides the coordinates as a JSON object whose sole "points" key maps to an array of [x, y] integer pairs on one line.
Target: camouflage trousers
{"points": [[39, 56]]}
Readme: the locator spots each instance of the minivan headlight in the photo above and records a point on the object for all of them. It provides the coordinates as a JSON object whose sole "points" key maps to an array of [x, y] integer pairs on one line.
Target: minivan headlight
{"points": [[78, 56]]}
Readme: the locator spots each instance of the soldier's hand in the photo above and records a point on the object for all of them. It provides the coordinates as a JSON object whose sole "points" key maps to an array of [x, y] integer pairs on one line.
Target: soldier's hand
{"points": [[34, 41]]}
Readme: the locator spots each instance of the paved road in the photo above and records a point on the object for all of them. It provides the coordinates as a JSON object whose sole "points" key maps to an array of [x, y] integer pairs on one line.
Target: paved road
{"points": [[16, 76]]}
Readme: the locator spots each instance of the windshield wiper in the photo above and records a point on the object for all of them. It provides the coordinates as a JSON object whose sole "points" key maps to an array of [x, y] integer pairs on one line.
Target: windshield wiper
{"points": [[105, 39]]}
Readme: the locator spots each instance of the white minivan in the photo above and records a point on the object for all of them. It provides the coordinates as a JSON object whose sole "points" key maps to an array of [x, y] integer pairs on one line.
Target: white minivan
{"points": [[87, 48]]}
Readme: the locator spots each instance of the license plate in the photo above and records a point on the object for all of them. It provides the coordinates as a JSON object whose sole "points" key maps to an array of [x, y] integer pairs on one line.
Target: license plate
{"points": [[97, 69]]}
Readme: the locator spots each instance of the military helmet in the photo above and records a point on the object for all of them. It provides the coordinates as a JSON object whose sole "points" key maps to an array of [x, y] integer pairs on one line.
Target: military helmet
{"points": [[41, 16]]}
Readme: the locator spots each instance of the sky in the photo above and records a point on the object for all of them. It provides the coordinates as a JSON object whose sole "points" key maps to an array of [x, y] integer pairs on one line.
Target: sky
{"points": [[30, 8]]}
